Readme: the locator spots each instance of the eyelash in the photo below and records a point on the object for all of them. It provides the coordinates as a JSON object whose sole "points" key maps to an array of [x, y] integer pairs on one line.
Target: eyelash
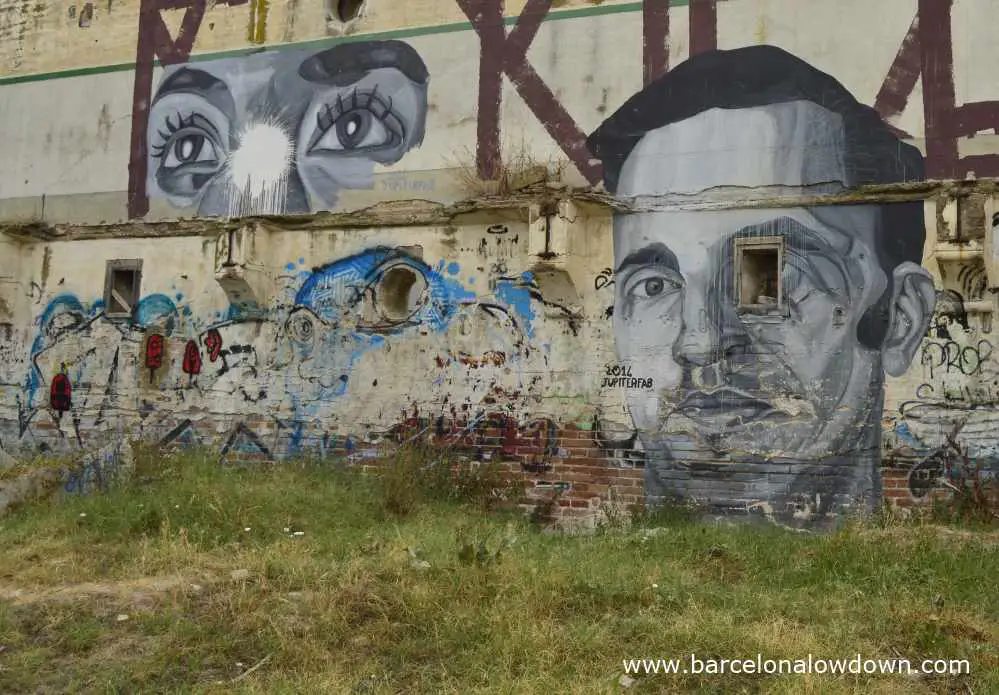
{"points": [[159, 149], [329, 114]]}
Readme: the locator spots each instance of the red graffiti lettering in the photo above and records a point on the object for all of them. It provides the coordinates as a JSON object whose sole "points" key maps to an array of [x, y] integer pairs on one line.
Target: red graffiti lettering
{"points": [[655, 39], [927, 51], [703, 26]]}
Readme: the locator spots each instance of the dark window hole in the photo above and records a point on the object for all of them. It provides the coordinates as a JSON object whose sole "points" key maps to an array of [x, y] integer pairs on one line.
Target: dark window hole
{"points": [[347, 10]]}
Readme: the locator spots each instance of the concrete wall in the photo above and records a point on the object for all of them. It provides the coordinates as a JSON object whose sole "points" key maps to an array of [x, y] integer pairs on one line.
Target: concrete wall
{"points": [[536, 248]]}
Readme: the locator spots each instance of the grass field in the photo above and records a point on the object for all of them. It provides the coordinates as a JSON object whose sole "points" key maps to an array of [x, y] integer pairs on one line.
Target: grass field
{"points": [[303, 578]]}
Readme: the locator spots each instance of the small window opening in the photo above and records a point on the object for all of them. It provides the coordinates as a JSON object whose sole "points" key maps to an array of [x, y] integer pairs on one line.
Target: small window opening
{"points": [[400, 292], [122, 287], [758, 272], [348, 10], [86, 14]]}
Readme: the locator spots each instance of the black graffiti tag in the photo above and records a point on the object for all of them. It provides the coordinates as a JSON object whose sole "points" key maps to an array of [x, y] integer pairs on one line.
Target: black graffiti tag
{"points": [[604, 279], [950, 357], [619, 376]]}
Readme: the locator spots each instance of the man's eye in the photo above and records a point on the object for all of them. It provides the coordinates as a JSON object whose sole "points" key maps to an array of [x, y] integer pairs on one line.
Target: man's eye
{"points": [[653, 286], [649, 285]]}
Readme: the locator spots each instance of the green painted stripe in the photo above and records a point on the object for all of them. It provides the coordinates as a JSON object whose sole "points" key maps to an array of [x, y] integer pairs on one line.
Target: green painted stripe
{"points": [[382, 35]]}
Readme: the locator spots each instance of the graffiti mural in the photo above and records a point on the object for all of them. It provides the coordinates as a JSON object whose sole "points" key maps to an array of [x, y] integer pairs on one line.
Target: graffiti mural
{"points": [[286, 131], [767, 333], [753, 346], [274, 384], [346, 308], [945, 427]]}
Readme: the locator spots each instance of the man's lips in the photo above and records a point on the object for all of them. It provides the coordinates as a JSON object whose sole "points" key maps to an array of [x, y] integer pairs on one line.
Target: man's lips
{"points": [[725, 403]]}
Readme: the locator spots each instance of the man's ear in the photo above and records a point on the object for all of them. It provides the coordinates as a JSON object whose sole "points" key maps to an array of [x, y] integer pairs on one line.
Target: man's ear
{"points": [[912, 302]]}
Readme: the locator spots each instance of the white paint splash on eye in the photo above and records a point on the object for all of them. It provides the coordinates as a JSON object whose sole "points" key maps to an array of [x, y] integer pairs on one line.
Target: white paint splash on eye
{"points": [[258, 171]]}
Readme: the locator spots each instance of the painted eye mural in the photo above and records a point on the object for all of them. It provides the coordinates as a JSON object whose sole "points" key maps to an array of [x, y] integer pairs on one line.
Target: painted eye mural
{"points": [[285, 131], [188, 153], [347, 308], [361, 122]]}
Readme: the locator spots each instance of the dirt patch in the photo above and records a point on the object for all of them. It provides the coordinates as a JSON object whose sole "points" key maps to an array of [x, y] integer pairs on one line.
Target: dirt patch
{"points": [[135, 591], [910, 534]]}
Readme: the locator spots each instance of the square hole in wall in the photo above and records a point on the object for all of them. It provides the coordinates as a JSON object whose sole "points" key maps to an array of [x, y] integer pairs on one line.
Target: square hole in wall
{"points": [[758, 264], [86, 15], [122, 287]]}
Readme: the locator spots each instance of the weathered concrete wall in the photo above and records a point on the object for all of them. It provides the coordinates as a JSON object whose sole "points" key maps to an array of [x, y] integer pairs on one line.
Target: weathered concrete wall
{"points": [[598, 248]]}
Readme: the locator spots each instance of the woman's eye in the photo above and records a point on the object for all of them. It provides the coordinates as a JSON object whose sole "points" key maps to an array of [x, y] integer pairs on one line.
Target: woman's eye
{"points": [[191, 140], [188, 148], [358, 129]]}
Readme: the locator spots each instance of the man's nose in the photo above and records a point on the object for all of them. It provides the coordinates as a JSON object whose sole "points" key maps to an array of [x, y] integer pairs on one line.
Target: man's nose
{"points": [[699, 342]]}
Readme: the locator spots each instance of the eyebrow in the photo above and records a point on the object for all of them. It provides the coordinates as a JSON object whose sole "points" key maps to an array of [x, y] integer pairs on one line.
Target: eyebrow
{"points": [[804, 241], [797, 235], [201, 84], [653, 254], [346, 64]]}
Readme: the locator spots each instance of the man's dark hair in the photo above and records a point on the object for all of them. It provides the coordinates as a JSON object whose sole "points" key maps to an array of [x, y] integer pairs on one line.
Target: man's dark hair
{"points": [[757, 76]]}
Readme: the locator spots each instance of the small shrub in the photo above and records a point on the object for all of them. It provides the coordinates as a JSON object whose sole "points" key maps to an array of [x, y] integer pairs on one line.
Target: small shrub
{"points": [[974, 499], [543, 514], [667, 513], [519, 168], [415, 474]]}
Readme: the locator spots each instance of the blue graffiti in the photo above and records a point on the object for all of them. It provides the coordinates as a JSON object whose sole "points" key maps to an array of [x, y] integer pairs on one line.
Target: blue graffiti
{"points": [[331, 317], [345, 309], [333, 291], [94, 475], [516, 294], [156, 309], [64, 313]]}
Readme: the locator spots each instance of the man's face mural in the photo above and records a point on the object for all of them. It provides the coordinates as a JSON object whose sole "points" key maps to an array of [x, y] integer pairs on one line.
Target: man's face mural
{"points": [[284, 132], [767, 332]]}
